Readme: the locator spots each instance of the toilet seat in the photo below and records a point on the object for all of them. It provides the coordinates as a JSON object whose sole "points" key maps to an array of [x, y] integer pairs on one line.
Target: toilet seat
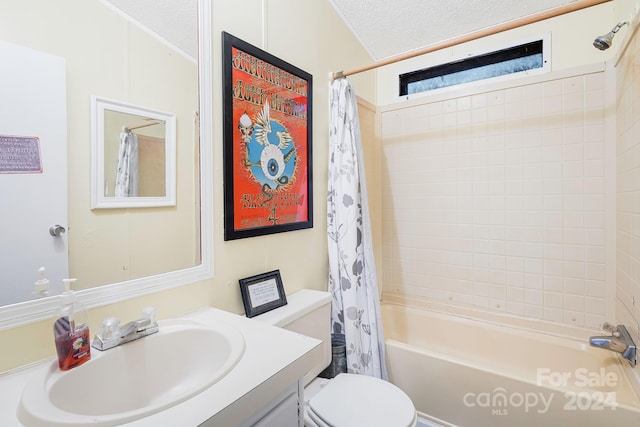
{"points": [[351, 400]]}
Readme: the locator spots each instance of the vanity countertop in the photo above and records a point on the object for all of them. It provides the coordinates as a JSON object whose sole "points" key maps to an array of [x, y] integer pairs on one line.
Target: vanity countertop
{"points": [[274, 359]]}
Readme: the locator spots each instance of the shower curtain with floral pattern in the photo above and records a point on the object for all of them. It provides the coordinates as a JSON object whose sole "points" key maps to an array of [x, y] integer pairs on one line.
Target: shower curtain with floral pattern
{"points": [[352, 273], [127, 173]]}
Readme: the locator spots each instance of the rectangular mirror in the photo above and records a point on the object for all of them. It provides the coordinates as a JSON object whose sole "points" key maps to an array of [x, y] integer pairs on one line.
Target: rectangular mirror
{"points": [[133, 154], [116, 253]]}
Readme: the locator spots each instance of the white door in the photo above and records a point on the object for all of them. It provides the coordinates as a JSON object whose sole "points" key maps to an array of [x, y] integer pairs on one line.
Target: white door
{"points": [[33, 111]]}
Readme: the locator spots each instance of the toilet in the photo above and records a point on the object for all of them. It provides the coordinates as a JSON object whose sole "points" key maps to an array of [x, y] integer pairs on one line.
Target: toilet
{"points": [[348, 400]]}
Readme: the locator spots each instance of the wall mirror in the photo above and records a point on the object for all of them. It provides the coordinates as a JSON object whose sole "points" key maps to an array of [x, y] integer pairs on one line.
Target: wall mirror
{"points": [[133, 156], [121, 253]]}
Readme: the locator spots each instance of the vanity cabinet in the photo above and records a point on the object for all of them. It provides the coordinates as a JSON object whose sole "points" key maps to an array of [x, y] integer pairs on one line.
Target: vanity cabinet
{"points": [[285, 410], [264, 388]]}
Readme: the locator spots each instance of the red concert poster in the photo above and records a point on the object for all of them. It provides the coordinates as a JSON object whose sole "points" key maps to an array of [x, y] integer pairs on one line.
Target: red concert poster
{"points": [[267, 143]]}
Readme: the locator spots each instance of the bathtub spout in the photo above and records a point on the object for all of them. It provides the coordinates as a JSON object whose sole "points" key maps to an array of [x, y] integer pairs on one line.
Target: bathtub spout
{"points": [[620, 342]]}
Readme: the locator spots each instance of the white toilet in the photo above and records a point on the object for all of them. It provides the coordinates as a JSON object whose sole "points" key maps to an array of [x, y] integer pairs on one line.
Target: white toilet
{"points": [[347, 400]]}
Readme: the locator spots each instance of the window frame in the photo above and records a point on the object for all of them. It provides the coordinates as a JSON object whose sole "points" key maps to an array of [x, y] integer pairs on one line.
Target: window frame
{"points": [[455, 65]]}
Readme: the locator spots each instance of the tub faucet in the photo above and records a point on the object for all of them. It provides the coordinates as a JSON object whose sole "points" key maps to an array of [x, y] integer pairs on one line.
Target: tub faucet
{"points": [[619, 341], [112, 334]]}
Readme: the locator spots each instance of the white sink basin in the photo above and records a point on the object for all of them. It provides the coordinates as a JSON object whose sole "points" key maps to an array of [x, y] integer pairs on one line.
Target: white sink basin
{"points": [[135, 379]]}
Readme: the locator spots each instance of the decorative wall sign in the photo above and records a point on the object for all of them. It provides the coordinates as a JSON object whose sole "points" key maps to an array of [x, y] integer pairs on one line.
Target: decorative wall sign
{"points": [[262, 293], [20, 154], [267, 143]]}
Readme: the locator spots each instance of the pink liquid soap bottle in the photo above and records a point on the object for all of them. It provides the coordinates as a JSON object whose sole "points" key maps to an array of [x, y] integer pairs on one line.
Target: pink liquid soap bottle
{"points": [[71, 331]]}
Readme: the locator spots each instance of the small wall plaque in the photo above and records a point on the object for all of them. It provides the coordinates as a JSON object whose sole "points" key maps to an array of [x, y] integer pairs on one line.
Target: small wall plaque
{"points": [[20, 154]]}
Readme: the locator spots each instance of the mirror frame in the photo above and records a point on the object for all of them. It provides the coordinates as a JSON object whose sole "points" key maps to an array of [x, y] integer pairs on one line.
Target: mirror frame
{"points": [[28, 312], [99, 106]]}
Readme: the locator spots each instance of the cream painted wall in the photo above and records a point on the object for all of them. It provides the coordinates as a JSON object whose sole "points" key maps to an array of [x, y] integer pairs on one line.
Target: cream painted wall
{"points": [[311, 36], [297, 32]]}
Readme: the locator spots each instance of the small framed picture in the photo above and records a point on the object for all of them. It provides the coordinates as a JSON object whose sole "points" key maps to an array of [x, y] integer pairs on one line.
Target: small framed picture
{"points": [[262, 293]]}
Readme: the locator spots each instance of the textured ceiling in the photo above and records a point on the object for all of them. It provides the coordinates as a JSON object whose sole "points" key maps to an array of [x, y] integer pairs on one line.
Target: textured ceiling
{"points": [[391, 27], [174, 20], [384, 27]]}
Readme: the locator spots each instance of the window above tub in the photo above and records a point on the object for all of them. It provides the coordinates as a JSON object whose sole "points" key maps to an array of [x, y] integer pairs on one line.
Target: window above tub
{"points": [[515, 60]]}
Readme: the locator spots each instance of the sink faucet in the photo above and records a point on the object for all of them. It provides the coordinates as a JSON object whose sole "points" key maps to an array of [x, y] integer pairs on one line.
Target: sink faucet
{"points": [[619, 341], [112, 334]]}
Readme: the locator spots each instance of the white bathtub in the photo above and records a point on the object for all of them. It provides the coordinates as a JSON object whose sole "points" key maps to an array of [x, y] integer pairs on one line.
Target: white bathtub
{"points": [[470, 373]]}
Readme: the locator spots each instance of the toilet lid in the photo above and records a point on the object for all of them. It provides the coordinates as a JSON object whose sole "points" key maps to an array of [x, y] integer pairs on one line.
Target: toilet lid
{"points": [[351, 400]]}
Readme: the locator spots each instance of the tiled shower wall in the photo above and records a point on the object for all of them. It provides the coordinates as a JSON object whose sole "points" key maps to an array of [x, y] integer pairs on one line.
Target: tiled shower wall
{"points": [[496, 199], [628, 187]]}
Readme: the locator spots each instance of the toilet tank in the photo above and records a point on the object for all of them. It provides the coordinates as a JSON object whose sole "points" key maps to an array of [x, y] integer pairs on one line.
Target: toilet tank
{"points": [[307, 312]]}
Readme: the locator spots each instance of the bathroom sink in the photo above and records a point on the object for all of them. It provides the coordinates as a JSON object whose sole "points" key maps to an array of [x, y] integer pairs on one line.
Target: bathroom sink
{"points": [[133, 380]]}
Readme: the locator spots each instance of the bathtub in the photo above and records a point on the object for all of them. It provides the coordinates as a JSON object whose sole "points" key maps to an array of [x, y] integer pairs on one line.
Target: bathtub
{"points": [[471, 373]]}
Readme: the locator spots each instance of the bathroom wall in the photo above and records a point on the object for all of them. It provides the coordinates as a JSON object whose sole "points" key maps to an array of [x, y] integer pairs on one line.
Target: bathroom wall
{"points": [[600, 278], [628, 187], [495, 197], [311, 36]]}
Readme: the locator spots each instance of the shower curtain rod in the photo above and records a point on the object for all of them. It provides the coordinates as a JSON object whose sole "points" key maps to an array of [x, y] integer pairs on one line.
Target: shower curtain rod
{"points": [[143, 125], [509, 25]]}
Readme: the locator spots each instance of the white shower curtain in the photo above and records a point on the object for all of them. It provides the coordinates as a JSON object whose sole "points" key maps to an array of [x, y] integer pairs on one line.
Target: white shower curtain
{"points": [[127, 174], [352, 274]]}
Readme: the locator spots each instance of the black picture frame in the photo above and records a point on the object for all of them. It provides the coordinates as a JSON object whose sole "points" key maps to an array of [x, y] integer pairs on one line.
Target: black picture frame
{"points": [[261, 293], [267, 106]]}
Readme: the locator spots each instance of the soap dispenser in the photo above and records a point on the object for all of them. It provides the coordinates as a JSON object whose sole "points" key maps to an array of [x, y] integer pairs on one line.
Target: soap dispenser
{"points": [[71, 330], [41, 286]]}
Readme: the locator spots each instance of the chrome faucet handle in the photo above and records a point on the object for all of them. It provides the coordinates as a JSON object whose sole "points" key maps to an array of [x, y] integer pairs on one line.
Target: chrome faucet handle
{"points": [[149, 313], [611, 329], [112, 334], [110, 328]]}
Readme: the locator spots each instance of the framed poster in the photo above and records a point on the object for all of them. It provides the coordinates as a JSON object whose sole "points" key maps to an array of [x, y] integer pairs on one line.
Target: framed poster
{"points": [[267, 143], [262, 293]]}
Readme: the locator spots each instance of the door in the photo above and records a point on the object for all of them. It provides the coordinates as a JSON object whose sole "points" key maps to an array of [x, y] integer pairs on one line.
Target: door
{"points": [[33, 197]]}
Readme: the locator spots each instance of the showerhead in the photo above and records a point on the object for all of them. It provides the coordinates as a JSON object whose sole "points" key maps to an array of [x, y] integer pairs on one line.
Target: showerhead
{"points": [[604, 42]]}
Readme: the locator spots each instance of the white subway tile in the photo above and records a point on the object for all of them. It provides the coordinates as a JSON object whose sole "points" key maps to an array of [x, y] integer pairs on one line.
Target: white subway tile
{"points": [[574, 269], [574, 303], [574, 286], [533, 281], [516, 308], [594, 321], [572, 102], [573, 169], [534, 296], [572, 152], [553, 284], [552, 137], [595, 306], [574, 253], [482, 301], [553, 299], [552, 107], [553, 314], [533, 311], [552, 87], [573, 85], [553, 251], [575, 318], [511, 213]]}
